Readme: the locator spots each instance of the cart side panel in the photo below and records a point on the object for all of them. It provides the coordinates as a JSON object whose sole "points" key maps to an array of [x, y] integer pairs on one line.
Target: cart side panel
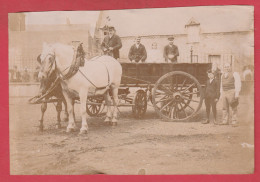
{"points": [[143, 73]]}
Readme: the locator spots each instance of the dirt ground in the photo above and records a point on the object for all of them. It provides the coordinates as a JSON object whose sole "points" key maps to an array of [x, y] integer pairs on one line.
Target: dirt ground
{"points": [[147, 146]]}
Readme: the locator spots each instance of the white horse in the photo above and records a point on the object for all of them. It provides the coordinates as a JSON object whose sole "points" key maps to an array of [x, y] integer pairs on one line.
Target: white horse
{"points": [[104, 71]]}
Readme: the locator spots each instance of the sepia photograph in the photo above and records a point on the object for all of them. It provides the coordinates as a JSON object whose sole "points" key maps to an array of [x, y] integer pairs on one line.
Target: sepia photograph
{"points": [[158, 91]]}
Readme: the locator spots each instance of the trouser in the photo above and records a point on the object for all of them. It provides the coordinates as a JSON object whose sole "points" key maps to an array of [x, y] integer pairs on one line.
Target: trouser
{"points": [[210, 103], [229, 113]]}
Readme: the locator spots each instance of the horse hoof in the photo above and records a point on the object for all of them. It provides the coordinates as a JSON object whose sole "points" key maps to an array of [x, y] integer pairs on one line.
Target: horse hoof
{"points": [[58, 126], [69, 130], [113, 123], [65, 119], [83, 132], [107, 122], [108, 119], [41, 129]]}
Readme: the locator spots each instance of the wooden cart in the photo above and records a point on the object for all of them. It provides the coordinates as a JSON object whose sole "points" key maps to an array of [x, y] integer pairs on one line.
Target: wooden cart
{"points": [[175, 90]]}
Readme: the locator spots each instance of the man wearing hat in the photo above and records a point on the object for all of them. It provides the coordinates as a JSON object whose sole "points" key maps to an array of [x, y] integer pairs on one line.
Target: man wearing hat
{"points": [[212, 93], [111, 43], [230, 88], [137, 52], [171, 51]]}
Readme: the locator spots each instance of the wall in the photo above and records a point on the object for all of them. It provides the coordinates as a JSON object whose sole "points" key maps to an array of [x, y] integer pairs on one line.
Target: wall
{"points": [[24, 47], [231, 46]]}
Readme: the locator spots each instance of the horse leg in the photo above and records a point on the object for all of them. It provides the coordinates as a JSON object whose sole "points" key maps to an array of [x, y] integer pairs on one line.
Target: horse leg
{"points": [[108, 103], [58, 109], [115, 103], [43, 109], [66, 114], [83, 99], [70, 104]]}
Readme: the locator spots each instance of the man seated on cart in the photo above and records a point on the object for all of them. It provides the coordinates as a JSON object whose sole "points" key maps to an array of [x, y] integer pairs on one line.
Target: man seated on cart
{"points": [[171, 51], [137, 52], [111, 43]]}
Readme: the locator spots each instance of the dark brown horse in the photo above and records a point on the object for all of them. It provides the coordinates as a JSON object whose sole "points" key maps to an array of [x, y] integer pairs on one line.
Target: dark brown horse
{"points": [[57, 93]]}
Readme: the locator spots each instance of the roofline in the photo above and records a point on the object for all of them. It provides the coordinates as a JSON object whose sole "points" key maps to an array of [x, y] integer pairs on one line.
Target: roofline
{"points": [[179, 35]]}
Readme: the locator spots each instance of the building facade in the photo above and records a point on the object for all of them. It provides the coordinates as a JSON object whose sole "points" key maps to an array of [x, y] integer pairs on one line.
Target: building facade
{"points": [[26, 44], [206, 41]]}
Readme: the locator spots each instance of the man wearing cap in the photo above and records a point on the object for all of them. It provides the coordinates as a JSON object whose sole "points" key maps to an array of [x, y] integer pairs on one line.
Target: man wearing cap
{"points": [[137, 52], [111, 44], [230, 88], [171, 51], [212, 93]]}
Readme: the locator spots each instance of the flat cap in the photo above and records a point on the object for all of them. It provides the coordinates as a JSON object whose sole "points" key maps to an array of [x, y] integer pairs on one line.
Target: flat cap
{"points": [[171, 38]]}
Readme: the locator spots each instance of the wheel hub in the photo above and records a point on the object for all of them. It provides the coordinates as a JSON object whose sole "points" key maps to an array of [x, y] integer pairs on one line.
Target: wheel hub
{"points": [[177, 96]]}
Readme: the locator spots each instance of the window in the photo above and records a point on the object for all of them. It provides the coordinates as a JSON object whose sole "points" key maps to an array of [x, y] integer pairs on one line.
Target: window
{"points": [[193, 34], [195, 58], [193, 30], [214, 59]]}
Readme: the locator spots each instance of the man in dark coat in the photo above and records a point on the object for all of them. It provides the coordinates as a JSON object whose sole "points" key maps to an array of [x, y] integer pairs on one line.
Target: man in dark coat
{"points": [[137, 52], [212, 94], [111, 44], [171, 51]]}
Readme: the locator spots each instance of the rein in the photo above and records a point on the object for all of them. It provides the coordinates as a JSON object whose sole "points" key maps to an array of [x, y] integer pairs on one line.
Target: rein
{"points": [[49, 91]]}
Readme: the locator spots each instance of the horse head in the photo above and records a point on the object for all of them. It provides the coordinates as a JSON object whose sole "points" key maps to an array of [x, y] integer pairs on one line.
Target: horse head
{"points": [[47, 62], [46, 75]]}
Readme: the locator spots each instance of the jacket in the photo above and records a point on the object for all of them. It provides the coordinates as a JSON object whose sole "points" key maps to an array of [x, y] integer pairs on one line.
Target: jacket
{"points": [[137, 54], [212, 89], [114, 42]]}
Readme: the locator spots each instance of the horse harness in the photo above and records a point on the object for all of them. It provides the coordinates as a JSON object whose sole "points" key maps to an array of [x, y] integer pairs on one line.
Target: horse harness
{"points": [[78, 61]]}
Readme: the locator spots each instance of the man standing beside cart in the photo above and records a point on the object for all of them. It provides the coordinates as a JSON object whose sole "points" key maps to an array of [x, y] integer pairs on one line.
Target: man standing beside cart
{"points": [[171, 51], [111, 43], [137, 52], [230, 88]]}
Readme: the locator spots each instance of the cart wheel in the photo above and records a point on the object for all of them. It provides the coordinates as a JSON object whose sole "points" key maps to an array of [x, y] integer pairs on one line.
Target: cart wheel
{"points": [[94, 110], [140, 104], [177, 96]]}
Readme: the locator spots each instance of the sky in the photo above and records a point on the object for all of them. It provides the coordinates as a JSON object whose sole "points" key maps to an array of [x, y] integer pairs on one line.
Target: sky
{"points": [[60, 17], [155, 21]]}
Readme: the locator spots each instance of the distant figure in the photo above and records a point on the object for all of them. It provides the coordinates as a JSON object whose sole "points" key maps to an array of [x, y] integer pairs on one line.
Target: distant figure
{"points": [[154, 55], [171, 51], [111, 44], [230, 88], [137, 52], [247, 74], [212, 93], [25, 76], [35, 74], [15, 75]]}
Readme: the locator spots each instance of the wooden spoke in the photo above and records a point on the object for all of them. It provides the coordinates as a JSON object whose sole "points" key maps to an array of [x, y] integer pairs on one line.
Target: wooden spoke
{"points": [[166, 105], [168, 90], [94, 110], [185, 98], [183, 109], [172, 112], [183, 83], [176, 109], [171, 85], [187, 105], [189, 87], [176, 83], [190, 93], [140, 104], [163, 99]]}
